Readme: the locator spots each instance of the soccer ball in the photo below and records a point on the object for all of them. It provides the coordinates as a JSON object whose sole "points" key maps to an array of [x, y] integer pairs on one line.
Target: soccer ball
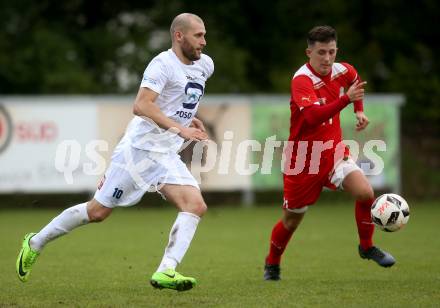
{"points": [[390, 212]]}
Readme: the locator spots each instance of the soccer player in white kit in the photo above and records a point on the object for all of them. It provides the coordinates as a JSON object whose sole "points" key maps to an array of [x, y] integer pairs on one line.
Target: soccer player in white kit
{"points": [[146, 158]]}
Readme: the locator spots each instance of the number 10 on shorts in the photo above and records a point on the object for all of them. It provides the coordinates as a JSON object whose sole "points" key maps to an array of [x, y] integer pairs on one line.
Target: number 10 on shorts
{"points": [[117, 193]]}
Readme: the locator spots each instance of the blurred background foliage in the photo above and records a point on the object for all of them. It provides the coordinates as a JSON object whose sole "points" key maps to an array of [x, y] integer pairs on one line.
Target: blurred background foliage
{"points": [[102, 47]]}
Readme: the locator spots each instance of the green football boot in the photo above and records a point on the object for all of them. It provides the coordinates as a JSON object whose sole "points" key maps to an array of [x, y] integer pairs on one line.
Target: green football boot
{"points": [[170, 279], [26, 258]]}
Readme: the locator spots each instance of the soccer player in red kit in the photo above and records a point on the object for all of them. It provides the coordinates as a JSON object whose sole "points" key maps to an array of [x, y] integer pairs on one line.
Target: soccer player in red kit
{"points": [[318, 158]]}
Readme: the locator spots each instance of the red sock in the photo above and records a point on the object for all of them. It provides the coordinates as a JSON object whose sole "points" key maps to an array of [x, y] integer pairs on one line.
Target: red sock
{"points": [[364, 224], [278, 242]]}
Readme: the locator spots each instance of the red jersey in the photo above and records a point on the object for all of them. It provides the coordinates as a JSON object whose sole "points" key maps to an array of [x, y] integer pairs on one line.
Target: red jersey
{"points": [[308, 88]]}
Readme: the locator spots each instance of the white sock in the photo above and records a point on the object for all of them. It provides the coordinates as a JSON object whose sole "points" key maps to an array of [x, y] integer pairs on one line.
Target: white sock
{"points": [[68, 220], [180, 238]]}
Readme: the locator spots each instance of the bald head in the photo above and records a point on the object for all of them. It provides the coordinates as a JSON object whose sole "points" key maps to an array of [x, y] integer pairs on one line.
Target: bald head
{"points": [[182, 23]]}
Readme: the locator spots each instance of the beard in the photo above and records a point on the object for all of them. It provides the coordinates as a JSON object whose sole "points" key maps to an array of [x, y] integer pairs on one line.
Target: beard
{"points": [[189, 52]]}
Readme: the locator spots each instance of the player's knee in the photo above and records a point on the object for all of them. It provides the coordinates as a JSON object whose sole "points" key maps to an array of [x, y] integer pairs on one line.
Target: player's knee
{"points": [[195, 206], [97, 216], [97, 212], [292, 221], [366, 193], [199, 208], [290, 224]]}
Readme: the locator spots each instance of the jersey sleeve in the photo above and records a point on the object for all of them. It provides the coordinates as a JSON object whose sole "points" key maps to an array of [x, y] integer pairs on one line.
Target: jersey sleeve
{"points": [[302, 92], [209, 65], [155, 76], [315, 114], [352, 76]]}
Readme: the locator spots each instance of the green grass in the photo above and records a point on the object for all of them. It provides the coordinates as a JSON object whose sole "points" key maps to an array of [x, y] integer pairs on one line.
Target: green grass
{"points": [[109, 264]]}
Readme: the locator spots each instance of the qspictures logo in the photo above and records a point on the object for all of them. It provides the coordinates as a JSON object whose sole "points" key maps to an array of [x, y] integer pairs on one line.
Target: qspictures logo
{"points": [[5, 128]]}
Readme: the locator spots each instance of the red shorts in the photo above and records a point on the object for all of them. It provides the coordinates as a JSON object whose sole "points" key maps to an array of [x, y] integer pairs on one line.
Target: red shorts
{"points": [[302, 190]]}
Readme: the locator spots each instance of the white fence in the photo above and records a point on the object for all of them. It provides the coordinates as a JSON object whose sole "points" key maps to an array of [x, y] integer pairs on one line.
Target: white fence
{"points": [[32, 128]]}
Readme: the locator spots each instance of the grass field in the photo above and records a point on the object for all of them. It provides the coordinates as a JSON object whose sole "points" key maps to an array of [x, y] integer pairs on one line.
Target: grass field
{"points": [[109, 264]]}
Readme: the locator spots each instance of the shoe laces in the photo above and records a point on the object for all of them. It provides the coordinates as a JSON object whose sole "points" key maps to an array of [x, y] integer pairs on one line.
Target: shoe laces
{"points": [[30, 259], [376, 252]]}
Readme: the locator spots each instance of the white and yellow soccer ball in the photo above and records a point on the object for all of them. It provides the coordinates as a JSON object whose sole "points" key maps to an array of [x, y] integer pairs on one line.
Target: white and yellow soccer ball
{"points": [[390, 212]]}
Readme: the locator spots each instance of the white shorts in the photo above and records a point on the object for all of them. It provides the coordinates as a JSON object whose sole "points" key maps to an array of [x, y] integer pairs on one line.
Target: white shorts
{"points": [[133, 172], [341, 170]]}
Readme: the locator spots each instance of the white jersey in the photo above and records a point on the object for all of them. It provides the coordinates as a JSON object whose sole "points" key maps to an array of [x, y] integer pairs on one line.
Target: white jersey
{"points": [[180, 88]]}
